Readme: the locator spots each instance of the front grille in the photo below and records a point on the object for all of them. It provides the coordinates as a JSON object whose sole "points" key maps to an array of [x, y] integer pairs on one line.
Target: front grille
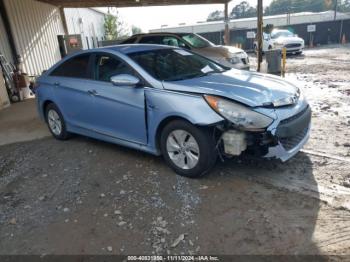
{"points": [[292, 45], [288, 120], [291, 131], [290, 142]]}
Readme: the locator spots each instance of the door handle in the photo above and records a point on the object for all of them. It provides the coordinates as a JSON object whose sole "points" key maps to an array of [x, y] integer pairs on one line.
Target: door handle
{"points": [[93, 92], [57, 83]]}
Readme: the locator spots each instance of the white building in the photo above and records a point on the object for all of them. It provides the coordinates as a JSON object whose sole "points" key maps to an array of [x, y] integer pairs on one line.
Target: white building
{"points": [[30, 29], [251, 23], [88, 22], [33, 27]]}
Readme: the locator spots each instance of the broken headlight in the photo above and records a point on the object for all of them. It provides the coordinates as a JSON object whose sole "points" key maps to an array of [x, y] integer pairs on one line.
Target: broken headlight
{"points": [[239, 115], [234, 60], [291, 100]]}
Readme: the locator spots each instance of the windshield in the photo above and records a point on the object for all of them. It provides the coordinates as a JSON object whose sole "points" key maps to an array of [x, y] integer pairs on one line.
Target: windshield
{"points": [[196, 41], [278, 34], [174, 64]]}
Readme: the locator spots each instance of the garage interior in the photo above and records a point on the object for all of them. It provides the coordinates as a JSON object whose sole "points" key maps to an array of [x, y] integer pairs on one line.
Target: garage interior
{"points": [[32, 52]]}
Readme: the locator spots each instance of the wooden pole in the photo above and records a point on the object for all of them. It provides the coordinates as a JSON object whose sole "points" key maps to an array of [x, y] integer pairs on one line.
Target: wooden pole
{"points": [[9, 32], [64, 21], [335, 9], [227, 29], [260, 32], [284, 59]]}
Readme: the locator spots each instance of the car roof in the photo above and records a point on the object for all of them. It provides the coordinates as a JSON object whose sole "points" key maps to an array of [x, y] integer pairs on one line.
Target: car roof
{"points": [[280, 30], [129, 48], [161, 33]]}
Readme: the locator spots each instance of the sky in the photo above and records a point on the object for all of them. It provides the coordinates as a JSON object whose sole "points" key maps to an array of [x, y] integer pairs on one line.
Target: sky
{"points": [[148, 18]]}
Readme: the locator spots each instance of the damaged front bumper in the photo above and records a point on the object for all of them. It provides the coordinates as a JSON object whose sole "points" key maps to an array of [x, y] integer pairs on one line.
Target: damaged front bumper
{"points": [[290, 134], [282, 140], [283, 152]]}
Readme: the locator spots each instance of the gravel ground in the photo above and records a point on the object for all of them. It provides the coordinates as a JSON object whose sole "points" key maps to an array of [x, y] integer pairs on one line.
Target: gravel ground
{"points": [[84, 196]]}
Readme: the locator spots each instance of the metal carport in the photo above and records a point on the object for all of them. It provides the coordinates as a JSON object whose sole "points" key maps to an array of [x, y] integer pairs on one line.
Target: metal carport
{"points": [[139, 3], [135, 3]]}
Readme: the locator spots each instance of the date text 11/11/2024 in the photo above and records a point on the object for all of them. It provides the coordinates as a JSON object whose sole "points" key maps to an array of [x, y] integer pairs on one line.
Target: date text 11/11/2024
{"points": [[172, 258]]}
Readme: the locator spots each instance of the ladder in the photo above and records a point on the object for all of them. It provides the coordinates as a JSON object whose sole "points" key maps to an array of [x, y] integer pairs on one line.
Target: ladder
{"points": [[8, 69]]}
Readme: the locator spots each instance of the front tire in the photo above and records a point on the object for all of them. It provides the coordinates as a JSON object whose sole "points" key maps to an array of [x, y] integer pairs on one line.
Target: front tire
{"points": [[56, 123], [187, 149]]}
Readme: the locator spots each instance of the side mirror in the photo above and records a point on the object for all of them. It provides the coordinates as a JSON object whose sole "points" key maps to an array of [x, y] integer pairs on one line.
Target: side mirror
{"points": [[125, 80]]}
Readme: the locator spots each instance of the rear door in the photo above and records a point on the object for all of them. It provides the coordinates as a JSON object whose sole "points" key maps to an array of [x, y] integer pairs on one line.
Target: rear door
{"points": [[71, 83], [119, 110]]}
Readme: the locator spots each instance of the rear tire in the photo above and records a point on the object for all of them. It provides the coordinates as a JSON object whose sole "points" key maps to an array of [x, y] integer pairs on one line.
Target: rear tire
{"points": [[55, 122], [187, 149]]}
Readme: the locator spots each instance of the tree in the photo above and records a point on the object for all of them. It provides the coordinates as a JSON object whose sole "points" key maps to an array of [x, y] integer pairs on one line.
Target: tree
{"points": [[135, 30], [114, 27], [344, 6], [295, 6], [110, 26], [216, 16], [268, 28], [243, 10]]}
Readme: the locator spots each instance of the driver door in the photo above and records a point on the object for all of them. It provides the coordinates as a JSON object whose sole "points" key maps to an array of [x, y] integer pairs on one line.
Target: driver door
{"points": [[119, 110]]}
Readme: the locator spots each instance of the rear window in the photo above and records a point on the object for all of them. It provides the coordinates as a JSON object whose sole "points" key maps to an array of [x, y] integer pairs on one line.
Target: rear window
{"points": [[151, 40], [76, 67], [130, 40]]}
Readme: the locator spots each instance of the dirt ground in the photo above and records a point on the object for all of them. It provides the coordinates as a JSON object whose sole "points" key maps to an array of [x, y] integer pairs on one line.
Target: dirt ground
{"points": [[84, 196]]}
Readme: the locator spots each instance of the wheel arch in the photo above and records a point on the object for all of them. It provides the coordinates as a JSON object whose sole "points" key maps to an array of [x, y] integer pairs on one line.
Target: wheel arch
{"points": [[44, 106], [163, 124], [171, 118]]}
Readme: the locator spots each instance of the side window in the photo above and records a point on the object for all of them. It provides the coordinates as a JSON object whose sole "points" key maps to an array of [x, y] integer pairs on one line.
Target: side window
{"points": [[107, 66], [77, 67], [151, 40], [170, 40], [173, 41]]}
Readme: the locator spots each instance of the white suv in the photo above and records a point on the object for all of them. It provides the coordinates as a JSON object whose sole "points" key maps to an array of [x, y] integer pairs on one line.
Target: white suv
{"points": [[283, 38]]}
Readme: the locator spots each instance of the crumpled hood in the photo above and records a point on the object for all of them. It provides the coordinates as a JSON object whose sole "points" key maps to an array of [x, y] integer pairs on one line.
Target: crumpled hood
{"points": [[252, 89]]}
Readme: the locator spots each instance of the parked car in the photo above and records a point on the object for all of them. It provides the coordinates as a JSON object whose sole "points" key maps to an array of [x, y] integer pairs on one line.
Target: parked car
{"points": [[282, 38], [172, 102], [226, 55], [267, 43]]}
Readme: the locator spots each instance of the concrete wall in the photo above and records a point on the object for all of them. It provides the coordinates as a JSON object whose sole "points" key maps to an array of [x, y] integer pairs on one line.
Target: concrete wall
{"points": [[251, 23], [35, 26], [87, 22], [329, 32]]}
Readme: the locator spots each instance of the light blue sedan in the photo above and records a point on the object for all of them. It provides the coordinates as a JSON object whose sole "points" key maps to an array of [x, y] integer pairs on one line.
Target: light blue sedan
{"points": [[171, 102]]}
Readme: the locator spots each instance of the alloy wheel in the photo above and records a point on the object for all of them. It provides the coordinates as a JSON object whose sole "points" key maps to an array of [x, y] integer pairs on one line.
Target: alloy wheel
{"points": [[55, 122], [183, 149]]}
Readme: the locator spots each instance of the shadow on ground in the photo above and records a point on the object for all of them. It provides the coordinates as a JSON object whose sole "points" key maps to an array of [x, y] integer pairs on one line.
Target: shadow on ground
{"points": [[83, 196]]}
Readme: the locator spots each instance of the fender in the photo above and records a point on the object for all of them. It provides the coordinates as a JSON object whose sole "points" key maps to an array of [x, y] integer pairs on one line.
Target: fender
{"points": [[162, 104]]}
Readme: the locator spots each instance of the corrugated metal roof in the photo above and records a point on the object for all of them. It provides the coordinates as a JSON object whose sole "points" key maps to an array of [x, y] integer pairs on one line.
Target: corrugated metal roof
{"points": [[35, 27]]}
